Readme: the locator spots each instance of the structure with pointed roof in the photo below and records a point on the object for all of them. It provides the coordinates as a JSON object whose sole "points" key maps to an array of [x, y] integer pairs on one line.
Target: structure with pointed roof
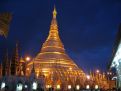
{"points": [[53, 61], [116, 58]]}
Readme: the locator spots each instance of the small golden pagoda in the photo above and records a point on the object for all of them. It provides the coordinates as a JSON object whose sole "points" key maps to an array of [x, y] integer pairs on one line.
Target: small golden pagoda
{"points": [[53, 62]]}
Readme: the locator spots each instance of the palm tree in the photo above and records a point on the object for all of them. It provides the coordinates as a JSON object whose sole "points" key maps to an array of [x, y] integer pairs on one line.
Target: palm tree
{"points": [[5, 19]]}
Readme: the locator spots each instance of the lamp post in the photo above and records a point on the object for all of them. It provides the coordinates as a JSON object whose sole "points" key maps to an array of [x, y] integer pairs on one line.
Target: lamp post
{"points": [[26, 70], [98, 83], [88, 82], [97, 71], [28, 58]]}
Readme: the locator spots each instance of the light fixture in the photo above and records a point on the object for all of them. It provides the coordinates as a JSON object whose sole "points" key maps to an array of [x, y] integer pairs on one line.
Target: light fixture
{"points": [[3, 85], [97, 71], [19, 87], [69, 86], [96, 87], [70, 68], [58, 86], [88, 77], [34, 86], [77, 87], [47, 86], [26, 86], [87, 87], [28, 58]]}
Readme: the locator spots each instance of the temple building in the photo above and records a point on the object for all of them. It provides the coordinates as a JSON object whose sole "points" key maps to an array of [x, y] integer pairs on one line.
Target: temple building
{"points": [[51, 70], [54, 63], [116, 58]]}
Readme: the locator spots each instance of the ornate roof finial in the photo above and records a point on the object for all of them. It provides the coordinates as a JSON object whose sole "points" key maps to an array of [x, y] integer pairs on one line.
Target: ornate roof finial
{"points": [[54, 12]]}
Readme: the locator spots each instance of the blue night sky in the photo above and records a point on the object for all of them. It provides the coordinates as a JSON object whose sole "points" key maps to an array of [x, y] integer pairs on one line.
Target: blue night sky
{"points": [[87, 28]]}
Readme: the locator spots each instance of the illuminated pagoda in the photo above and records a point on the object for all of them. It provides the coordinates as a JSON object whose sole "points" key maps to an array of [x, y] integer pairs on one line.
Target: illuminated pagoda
{"points": [[53, 62], [116, 58]]}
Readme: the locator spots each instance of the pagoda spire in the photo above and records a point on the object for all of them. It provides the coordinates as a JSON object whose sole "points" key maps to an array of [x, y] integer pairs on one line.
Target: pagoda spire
{"points": [[54, 60], [54, 12], [54, 25], [53, 39], [15, 61]]}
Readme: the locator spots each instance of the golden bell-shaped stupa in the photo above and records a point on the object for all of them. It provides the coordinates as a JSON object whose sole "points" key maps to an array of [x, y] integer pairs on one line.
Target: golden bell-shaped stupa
{"points": [[53, 62]]}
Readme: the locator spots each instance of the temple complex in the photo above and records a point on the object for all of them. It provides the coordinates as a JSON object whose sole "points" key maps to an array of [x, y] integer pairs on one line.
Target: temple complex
{"points": [[50, 70]]}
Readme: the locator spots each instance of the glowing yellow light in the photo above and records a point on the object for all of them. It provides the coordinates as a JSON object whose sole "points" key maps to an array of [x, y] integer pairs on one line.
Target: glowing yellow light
{"points": [[88, 77], [53, 47], [48, 86], [96, 87], [70, 68], [77, 87], [27, 68], [54, 13], [45, 74], [53, 53], [69, 86], [37, 74], [87, 87], [58, 86], [53, 61], [28, 58], [97, 71]]}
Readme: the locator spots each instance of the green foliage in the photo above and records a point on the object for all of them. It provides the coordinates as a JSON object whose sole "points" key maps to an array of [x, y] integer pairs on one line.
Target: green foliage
{"points": [[5, 19]]}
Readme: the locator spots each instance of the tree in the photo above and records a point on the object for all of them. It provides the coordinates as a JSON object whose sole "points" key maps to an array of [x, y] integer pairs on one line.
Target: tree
{"points": [[5, 19]]}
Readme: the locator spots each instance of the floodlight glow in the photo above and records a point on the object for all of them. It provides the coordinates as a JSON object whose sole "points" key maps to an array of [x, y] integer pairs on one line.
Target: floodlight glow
{"points": [[96, 87], [58, 87], [87, 87], [70, 68], [88, 77], [97, 71], [19, 87], [34, 86], [28, 58], [77, 87], [69, 86], [47, 86], [3, 85], [26, 86]]}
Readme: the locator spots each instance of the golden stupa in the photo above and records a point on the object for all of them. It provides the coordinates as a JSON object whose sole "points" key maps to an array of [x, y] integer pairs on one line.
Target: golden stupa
{"points": [[53, 62]]}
